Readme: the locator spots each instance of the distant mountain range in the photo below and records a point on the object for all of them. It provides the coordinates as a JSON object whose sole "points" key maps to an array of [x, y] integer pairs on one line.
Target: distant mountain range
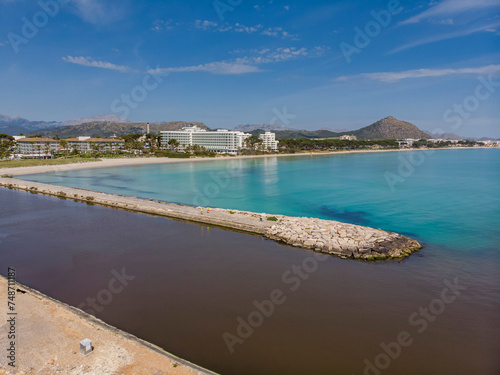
{"points": [[278, 128], [109, 125], [335, 130], [266, 127], [17, 125], [109, 129], [105, 118]]}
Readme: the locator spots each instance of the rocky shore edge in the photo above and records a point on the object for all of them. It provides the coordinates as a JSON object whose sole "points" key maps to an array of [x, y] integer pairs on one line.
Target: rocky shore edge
{"points": [[325, 236], [342, 239]]}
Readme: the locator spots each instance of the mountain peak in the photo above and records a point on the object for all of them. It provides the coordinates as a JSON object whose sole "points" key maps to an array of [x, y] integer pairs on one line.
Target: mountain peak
{"points": [[392, 128]]}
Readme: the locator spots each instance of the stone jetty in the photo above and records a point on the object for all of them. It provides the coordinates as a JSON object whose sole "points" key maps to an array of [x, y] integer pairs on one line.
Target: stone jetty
{"points": [[341, 239], [326, 236]]}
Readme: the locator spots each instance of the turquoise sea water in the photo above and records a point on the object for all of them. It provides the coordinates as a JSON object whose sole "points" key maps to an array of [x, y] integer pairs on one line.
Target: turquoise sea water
{"points": [[445, 197], [193, 282]]}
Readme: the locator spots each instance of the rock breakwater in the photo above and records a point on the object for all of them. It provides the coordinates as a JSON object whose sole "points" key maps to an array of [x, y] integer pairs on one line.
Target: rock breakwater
{"points": [[326, 236], [342, 239]]}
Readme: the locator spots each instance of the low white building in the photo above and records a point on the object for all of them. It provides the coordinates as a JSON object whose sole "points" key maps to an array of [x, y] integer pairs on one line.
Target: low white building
{"points": [[406, 143], [269, 140], [37, 147], [348, 137], [221, 140]]}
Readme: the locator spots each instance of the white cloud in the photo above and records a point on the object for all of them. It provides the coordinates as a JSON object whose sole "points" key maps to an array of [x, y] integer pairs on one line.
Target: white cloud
{"points": [[204, 25], [247, 64], [240, 28], [447, 8], [162, 25], [391, 77], [98, 11], [266, 56], [437, 38], [87, 61], [214, 68], [277, 32], [287, 7]]}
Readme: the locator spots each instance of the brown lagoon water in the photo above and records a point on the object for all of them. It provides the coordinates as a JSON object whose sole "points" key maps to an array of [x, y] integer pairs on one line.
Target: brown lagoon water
{"points": [[192, 283]]}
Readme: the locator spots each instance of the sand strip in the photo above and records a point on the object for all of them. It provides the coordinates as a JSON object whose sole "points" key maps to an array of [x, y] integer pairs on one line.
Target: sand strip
{"points": [[118, 162]]}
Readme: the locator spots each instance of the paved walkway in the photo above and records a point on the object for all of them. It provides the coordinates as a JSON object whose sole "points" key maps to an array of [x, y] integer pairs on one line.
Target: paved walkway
{"points": [[239, 220]]}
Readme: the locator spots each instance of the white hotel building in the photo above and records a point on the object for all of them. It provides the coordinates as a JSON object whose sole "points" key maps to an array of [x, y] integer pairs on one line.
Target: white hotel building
{"points": [[269, 140], [221, 140]]}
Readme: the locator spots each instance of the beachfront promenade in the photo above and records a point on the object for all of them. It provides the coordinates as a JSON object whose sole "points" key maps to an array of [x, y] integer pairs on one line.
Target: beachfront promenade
{"points": [[325, 236]]}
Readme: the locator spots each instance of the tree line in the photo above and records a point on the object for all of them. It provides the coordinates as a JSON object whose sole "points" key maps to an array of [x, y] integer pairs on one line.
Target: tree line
{"points": [[334, 144]]}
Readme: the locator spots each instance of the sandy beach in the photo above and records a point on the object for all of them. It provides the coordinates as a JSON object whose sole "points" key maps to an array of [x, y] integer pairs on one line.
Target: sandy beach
{"points": [[118, 162]]}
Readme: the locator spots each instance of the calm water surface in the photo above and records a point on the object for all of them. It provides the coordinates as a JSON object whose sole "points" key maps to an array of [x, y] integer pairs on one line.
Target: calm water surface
{"points": [[192, 282]]}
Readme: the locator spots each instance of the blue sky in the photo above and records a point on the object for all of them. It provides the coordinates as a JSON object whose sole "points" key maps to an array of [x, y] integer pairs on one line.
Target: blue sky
{"points": [[301, 64]]}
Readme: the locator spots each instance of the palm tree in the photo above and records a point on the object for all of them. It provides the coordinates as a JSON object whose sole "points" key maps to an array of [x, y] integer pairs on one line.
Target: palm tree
{"points": [[47, 149], [253, 142], [173, 143], [63, 144]]}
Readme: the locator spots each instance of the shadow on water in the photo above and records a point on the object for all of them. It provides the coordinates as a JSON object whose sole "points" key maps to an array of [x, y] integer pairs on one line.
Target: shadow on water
{"points": [[353, 217]]}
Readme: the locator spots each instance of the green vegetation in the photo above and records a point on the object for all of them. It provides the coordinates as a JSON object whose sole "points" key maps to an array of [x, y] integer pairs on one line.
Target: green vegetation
{"points": [[170, 154], [293, 144], [7, 145], [182, 155], [253, 152], [272, 218], [173, 143], [36, 162], [210, 154], [440, 144], [253, 142]]}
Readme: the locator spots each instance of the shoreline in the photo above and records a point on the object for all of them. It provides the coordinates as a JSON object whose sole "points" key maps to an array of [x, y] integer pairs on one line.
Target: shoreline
{"points": [[119, 162]]}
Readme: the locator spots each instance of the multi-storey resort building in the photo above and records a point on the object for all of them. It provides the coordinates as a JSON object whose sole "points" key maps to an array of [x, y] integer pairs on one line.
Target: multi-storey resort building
{"points": [[225, 141], [269, 140], [221, 140]]}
